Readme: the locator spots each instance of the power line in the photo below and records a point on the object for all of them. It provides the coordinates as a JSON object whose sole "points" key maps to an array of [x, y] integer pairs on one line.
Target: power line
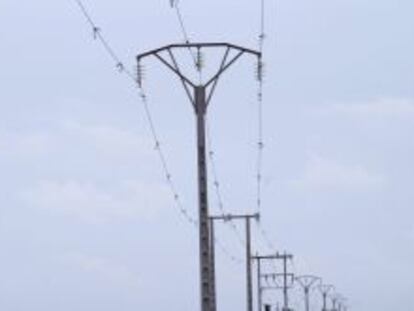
{"points": [[181, 22], [98, 34], [260, 143], [196, 57], [211, 153], [260, 131], [217, 187], [120, 66]]}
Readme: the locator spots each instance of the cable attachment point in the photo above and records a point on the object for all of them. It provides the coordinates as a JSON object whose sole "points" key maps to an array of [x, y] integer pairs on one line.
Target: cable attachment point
{"points": [[120, 66], [199, 60], [96, 32], [143, 96], [227, 218], [262, 37]]}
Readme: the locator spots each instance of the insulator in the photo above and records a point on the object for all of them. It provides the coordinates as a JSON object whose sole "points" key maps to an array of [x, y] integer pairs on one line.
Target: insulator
{"points": [[260, 145], [200, 60], [262, 36], [260, 70], [140, 74]]}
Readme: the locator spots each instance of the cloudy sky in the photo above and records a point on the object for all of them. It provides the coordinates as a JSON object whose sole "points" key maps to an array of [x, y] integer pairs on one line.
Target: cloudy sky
{"points": [[87, 221]]}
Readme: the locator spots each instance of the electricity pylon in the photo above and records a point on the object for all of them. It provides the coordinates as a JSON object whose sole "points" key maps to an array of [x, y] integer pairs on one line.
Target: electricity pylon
{"points": [[344, 304], [338, 302], [200, 95], [325, 289], [247, 219], [307, 282], [284, 257], [334, 300]]}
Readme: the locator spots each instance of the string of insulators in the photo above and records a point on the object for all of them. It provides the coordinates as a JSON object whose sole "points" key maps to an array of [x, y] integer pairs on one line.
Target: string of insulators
{"points": [[173, 3], [200, 60], [260, 70], [140, 74]]}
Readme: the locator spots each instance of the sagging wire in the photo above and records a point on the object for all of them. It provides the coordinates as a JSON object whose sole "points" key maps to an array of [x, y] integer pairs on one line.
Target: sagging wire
{"points": [[260, 138], [175, 5], [196, 57], [217, 186], [266, 238], [97, 34], [260, 143], [137, 80], [225, 251]]}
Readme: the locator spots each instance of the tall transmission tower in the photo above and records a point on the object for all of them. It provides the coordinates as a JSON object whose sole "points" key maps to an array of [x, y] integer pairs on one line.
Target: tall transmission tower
{"points": [[307, 282], [338, 302], [325, 289], [342, 303], [200, 95], [334, 300]]}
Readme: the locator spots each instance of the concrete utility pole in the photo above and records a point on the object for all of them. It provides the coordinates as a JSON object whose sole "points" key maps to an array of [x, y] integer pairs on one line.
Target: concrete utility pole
{"points": [[200, 96], [334, 303], [307, 282], [213, 266], [325, 290], [249, 281], [285, 257]]}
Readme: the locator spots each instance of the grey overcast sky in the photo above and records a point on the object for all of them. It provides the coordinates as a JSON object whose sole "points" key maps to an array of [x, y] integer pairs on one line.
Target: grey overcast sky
{"points": [[87, 221]]}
